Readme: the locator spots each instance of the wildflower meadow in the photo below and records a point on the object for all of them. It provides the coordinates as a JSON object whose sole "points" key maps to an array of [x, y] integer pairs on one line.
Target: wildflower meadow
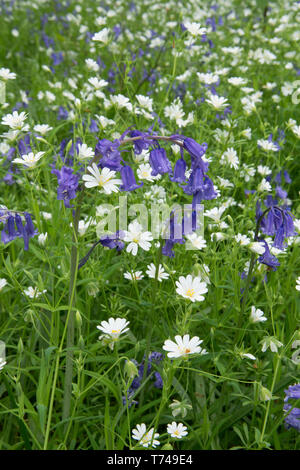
{"points": [[150, 225]]}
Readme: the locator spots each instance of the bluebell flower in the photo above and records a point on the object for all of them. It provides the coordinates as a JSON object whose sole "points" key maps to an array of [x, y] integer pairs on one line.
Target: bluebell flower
{"points": [[175, 229], [57, 58], [8, 178], [62, 113], [292, 419], [93, 126], [196, 151], [111, 156], [267, 258], [113, 241], [67, 184], [195, 182], [167, 249], [24, 145], [159, 162], [277, 222], [128, 179], [287, 177], [14, 228], [281, 193], [158, 380], [179, 171]]}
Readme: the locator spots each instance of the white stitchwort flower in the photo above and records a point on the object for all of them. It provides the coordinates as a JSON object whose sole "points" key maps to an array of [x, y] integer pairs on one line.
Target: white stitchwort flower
{"points": [[121, 101], [230, 157], [42, 128], [15, 121], [113, 329], [180, 407], [183, 346], [30, 159], [217, 102], [243, 240], [145, 438], [6, 74], [85, 152], [42, 238], [195, 29], [102, 36], [2, 363], [257, 247], [270, 342], [137, 237], [145, 102], [136, 276], [237, 81], [249, 356], [177, 430], [3, 283], [264, 170], [267, 146], [257, 315], [264, 185], [151, 271], [33, 292], [298, 283], [215, 214], [144, 172], [105, 180], [197, 241], [191, 288]]}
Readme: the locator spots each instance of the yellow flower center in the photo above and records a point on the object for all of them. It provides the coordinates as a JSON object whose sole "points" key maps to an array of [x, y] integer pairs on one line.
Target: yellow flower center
{"points": [[190, 293]]}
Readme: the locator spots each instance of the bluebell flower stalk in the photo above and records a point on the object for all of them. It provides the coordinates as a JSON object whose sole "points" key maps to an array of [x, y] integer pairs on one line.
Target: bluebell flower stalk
{"points": [[269, 226]]}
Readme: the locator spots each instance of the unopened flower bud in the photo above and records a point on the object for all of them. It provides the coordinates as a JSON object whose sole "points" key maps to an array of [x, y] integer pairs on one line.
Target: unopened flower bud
{"points": [[78, 319], [20, 347], [68, 146], [131, 369], [167, 447], [264, 394], [81, 342]]}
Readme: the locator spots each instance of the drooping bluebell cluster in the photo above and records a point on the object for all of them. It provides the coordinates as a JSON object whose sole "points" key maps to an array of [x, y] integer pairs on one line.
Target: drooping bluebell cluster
{"points": [[292, 419], [199, 185], [14, 227], [154, 358], [277, 223]]}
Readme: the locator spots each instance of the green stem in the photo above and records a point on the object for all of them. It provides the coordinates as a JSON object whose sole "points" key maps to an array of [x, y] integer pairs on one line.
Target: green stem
{"points": [[150, 322], [71, 321], [269, 402]]}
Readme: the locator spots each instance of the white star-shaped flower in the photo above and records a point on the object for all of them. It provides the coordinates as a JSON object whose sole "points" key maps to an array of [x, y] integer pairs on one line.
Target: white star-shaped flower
{"points": [[145, 438], [151, 271], [257, 315], [137, 237], [30, 159], [105, 180], [183, 346], [177, 430], [191, 288]]}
